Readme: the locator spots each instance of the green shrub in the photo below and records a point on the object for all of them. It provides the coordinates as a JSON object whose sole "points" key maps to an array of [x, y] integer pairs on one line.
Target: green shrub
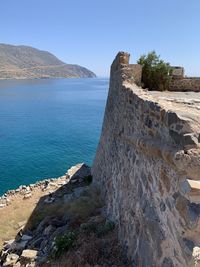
{"points": [[156, 74], [64, 243]]}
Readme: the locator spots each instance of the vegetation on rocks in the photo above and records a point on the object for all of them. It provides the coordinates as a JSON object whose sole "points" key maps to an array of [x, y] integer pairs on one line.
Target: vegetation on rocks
{"points": [[64, 243], [99, 229], [155, 72], [93, 242], [62, 224]]}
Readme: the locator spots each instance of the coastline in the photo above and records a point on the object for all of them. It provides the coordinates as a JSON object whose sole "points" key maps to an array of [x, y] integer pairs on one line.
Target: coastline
{"points": [[44, 185], [17, 206], [45, 78]]}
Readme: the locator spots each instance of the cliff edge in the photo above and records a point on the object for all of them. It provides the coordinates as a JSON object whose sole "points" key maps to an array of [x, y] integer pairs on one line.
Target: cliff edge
{"points": [[147, 166]]}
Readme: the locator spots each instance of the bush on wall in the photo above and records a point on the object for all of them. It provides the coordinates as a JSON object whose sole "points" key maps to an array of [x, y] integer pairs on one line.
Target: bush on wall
{"points": [[156, 74]]}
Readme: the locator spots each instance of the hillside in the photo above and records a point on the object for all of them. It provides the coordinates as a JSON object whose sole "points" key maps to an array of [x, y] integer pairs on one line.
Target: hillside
{"points": [[24, 62]]}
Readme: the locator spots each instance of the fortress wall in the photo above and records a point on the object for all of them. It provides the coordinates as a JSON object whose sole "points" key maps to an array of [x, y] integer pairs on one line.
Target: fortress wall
{"points": [[145, 154], [185, 84]]}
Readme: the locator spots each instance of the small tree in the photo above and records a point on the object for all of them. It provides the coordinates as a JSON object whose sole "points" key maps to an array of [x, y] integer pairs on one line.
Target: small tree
{"points": [[155, 72]]}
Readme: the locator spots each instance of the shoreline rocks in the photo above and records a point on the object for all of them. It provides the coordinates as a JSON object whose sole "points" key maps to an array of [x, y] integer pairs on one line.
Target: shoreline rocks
{"points": [[74, 174]]}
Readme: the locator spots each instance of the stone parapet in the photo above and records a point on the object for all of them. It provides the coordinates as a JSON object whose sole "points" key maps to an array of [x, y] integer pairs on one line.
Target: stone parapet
{"points": [[137, 73], [185, 84], [178, 72]]}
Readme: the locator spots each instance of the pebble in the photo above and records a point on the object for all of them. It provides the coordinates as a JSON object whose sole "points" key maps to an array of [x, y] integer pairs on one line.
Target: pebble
{"points": [[52, 184], [27, 195]]}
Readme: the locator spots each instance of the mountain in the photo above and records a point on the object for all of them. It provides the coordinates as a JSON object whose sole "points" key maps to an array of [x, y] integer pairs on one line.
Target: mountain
{"points": [[25, 62]]}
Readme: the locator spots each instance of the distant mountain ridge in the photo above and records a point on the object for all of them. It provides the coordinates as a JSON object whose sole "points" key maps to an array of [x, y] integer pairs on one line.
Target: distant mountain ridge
{"points": [[25, 62]]}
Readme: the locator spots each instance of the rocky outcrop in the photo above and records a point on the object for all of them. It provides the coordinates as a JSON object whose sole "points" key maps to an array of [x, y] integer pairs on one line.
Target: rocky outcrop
{"points": [[147, 156], [24, 62]]}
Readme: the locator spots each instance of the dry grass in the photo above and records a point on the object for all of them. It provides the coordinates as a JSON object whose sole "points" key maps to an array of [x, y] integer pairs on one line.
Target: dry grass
{"points": [[17, 212], [96, 243], [81, 207], [85, 205], [91, 250], [34, 210]]}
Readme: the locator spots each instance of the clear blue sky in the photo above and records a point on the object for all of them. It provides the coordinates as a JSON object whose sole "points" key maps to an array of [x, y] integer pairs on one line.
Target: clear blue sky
{"points": [[91, 32]]}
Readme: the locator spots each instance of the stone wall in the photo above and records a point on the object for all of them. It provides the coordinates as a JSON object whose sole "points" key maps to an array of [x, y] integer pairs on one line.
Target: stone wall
{"points": [[179, 82], [178, 72], [145, 154], [185, 84], [137, 73]]}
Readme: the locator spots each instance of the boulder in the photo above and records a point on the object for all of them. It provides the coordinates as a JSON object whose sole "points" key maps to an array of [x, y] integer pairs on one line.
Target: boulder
{"points": [[28, 256], [26, 238], [196, 256], [48, 230], [78, 171], [27, 195], [49, 200], [11, 259], [16, 246]]}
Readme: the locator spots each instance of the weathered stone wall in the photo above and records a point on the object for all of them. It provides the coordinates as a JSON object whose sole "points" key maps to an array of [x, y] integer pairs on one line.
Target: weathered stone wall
{"points": [[185, 84], [145, 154], [137, 73], [178, 72], [179, 82]]}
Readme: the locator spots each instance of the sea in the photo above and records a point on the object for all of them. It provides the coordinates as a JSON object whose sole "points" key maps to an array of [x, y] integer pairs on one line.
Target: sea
{"points": [[47, 126]]}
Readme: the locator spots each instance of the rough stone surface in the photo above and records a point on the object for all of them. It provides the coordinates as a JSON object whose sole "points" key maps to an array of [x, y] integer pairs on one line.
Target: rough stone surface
{"points": [[179, 81], [28, 256], [149, 145], [136, 69], [178, 72], [11, 259], [185, 84], [78, 171], [196, 255]]}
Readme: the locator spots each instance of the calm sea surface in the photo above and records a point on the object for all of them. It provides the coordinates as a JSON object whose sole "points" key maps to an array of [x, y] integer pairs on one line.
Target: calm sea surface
{"points": [[46, 126]]}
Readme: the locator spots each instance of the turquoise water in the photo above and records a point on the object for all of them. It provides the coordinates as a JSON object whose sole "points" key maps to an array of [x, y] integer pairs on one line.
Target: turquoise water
{"points": [[48, 125]]}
